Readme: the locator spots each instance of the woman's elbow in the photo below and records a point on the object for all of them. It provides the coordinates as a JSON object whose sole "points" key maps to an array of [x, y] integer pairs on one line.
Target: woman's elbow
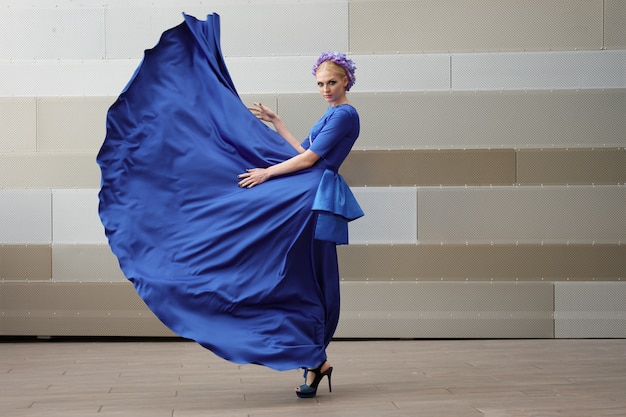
{"points": [[309, 158]]}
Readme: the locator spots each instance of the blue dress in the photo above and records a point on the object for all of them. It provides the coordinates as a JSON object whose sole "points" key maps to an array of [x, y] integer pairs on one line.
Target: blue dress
{"points": [[250, 274]]}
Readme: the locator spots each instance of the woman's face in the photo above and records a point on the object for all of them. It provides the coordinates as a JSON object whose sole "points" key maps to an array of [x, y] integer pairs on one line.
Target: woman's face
{"points": [[332, 86]]}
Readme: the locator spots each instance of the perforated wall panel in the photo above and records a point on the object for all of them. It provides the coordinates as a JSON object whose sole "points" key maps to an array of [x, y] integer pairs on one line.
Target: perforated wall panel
{"points": [[522, 214], [25, 216], [391, 215], [75, 217], [590, 309], [446, 310]]}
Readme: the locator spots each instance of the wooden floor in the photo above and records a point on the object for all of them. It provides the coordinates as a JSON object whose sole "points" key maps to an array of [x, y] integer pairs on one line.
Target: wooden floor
{"points": [[425, 378]]}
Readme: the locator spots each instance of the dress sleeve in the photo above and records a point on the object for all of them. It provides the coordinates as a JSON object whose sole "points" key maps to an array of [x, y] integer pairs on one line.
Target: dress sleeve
{"points": [[338, 125]]}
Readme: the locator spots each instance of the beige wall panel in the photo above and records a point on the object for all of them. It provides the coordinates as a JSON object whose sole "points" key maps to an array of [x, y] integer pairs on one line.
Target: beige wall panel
{"points": [[76, 309], [614, 26], [528, 214], [71, 123], [85, 263], [482, 262], [18, 128], [270, 100], [301, 111], [451, 25], [590, 309], [49, 170], [571, 166], [490, 119], [25, 262], [446, 310], [430, 167]]}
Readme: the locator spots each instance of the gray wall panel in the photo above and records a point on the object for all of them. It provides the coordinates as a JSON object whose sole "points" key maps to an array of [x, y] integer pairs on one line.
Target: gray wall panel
{"points": [[614, 27], [482, 262], [25, 262], [446, 167], [398, 168], [571, 166]]}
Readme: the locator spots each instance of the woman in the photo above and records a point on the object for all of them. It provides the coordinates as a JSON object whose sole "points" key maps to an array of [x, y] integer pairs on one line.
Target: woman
{"points": [[332, 138], [247, 271]]}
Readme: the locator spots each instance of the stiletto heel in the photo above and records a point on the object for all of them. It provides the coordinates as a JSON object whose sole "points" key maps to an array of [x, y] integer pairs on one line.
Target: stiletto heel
{"points": [[310, 391]]}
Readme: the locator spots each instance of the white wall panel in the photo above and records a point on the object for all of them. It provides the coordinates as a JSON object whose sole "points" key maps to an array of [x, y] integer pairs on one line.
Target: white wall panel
{"points": [[248, 29], [581, 214], [265, 75], [402, 72], [75, 217], [65, 78], [25, 217], [589, 309], [539, 70], [283, 28], [133, 28], [51, 33], [275, 73], [390, 216]]}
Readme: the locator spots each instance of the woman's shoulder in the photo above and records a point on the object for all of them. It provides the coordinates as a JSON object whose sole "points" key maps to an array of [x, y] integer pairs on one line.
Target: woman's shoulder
{"points": [[345, 110]]}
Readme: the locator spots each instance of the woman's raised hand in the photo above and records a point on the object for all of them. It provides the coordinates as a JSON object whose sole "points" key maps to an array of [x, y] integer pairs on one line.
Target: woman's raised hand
{"points": [[262, 112]]}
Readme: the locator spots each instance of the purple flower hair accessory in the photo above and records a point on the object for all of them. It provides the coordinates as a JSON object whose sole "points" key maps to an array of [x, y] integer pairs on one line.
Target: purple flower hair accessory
{"points": [[339, 59]]}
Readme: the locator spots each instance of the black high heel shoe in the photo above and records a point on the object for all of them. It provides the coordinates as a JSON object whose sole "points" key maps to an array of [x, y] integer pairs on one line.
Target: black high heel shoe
{"points": [[310, 391]]}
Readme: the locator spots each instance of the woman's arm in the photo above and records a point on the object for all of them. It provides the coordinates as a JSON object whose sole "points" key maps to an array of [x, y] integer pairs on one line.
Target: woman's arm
{"points": [[267, 115], [256, 176]]}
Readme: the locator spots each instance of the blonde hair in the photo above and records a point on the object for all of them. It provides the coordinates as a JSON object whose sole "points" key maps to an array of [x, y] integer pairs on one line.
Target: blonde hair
{"points": [[334, 61], [333, 67]]}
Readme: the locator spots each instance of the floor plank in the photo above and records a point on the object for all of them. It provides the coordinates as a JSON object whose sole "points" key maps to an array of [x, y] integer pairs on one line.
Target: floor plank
{"points": [[396, 378]]}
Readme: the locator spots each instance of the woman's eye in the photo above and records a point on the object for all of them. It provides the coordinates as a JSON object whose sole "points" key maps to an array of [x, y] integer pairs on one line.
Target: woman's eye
{"points": [[332, 82]]}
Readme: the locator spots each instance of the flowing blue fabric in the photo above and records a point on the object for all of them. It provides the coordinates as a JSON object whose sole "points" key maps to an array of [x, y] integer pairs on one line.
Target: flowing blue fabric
{"points": [[238, 270]]}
